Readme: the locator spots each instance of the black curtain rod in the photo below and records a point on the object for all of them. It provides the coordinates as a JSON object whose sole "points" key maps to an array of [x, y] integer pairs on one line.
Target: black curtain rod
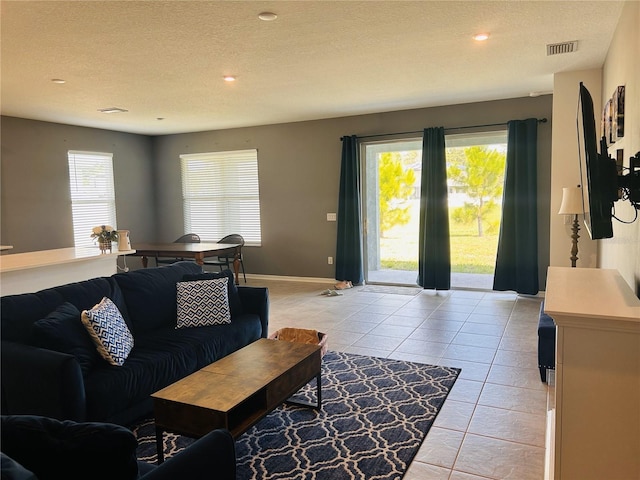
{"points": [[540, 120]]}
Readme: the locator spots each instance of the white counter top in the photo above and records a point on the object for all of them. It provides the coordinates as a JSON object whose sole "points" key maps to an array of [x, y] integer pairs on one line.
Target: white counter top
{"points": [[33, 271], [22, 261]]}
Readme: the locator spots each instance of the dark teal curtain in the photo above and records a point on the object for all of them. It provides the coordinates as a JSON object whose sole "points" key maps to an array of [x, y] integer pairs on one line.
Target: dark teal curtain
{"points": [[349, 245], [434, 259], [517, 258]]}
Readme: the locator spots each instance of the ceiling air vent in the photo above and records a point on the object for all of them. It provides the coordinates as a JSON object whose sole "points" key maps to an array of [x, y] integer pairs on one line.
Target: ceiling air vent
{"points": [[564, 47], [112, 110]]}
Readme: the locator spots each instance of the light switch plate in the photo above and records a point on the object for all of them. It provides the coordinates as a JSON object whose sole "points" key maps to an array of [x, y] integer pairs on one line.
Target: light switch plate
{"points": [[331, 217]]}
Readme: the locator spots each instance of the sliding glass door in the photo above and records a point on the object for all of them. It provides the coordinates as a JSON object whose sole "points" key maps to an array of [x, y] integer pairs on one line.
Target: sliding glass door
{"points": [[392, 203], [391, 181], [475, 175]]}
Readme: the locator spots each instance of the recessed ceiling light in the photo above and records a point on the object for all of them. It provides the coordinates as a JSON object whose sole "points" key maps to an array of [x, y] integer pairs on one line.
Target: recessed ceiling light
{"points": [[58, 80], [481, 37], [267, 16], [112, 110], [229, 78]]}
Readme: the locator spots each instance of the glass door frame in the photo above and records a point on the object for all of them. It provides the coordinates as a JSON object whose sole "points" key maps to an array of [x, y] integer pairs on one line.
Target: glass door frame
{"points": [[370, 205], [370, 196]]}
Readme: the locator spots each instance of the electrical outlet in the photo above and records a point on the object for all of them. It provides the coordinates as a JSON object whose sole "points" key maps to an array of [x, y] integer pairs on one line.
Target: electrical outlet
{"points": [[331, 217], [330, 260]]}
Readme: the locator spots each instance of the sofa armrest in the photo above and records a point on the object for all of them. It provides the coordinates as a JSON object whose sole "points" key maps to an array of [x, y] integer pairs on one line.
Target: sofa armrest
{"points": [[211, 457], [43, 382], [12, 470], [256, 300]]}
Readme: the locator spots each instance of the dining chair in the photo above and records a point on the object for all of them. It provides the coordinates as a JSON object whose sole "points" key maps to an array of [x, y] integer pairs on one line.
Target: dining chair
{"points": [[186, 238], [226, 260]]}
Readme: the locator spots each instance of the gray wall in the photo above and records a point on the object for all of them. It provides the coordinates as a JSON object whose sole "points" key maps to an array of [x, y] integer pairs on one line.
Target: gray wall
{"points": [[299, 171], [35, 198]]}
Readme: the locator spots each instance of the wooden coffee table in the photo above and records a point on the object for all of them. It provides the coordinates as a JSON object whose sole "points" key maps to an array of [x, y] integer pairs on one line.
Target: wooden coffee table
{"points": [[237, 390]]}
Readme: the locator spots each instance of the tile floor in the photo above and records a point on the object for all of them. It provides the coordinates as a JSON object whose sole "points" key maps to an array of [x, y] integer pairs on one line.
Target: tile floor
{"points": [[492, 425]]}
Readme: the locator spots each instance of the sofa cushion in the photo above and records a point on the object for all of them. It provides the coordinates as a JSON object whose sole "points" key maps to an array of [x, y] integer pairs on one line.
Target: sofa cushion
{"points": [[108, 331], [173, 353], [19, 312], [202, 303], [151, 365], [234, 296], [47, 447], [150, 294], [221, 340], [62, 331]]}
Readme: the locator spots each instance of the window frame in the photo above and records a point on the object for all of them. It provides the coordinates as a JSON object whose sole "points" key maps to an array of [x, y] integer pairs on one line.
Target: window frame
{"points": [[93, 203], [224, 186]]}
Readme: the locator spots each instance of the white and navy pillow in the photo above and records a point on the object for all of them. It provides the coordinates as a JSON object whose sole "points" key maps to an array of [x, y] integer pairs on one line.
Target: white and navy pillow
{"points": [[108, 331], [235, 304], [202, 303]]}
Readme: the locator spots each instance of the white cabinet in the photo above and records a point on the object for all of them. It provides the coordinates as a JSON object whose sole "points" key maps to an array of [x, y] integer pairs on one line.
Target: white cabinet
{"points": [[595, 426]]}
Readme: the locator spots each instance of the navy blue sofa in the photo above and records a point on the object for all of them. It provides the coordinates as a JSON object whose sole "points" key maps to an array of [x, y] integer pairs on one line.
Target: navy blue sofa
{"points": [[58, 375], [42, 448]]}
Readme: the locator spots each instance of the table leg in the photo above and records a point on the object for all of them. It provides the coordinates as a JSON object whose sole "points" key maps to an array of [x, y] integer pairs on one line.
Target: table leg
{"points": [[236, 265], [319, 380], [145, 261], [318, 404], [159, 445]]}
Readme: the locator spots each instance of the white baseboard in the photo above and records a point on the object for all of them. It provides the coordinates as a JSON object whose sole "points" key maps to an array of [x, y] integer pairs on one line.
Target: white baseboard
{"points": [[282, 278]]}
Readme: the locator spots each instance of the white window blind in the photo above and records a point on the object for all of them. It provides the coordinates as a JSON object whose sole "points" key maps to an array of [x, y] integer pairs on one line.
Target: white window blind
{"points": [[221, 195], [93, 199]]}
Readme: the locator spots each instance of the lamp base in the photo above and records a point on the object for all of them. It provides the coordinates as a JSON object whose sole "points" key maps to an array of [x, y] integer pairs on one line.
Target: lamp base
{"points": [[574, 241]]}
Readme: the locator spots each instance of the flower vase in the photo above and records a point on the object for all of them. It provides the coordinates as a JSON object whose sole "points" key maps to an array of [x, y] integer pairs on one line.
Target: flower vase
{"points": [[105, 246]]}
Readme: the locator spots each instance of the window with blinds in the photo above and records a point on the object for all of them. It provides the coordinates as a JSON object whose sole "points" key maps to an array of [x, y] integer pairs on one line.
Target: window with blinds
{"points": [[221, 195], [93, 198]]}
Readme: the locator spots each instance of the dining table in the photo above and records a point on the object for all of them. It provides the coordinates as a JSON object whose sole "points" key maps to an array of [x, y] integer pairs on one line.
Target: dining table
{"points": [[197, 251]]}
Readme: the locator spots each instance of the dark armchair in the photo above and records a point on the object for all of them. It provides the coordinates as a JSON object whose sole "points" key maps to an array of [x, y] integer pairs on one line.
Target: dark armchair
{"points": [[225, 261], [54, 449]]}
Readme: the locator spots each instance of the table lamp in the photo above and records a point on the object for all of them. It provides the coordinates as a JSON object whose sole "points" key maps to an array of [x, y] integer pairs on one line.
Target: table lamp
{"points": [[572, 205]]}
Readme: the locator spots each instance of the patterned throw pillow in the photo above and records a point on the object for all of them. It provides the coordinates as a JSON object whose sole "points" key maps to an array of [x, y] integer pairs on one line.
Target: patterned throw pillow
{"points": [[108, 331], [235, 304], [202, 303]]}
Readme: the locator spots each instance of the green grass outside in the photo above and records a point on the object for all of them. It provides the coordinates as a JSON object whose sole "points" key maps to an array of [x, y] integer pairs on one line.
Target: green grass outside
{"points": [[469, 252], [468, 255]]}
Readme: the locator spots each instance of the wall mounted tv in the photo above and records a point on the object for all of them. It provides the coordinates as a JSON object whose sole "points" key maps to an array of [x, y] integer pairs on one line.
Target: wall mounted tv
{"points": [[602, 183]]}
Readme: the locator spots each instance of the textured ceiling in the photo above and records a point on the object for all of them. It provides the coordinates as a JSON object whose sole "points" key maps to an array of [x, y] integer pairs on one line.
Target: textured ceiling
{"points": [[318, 59]]}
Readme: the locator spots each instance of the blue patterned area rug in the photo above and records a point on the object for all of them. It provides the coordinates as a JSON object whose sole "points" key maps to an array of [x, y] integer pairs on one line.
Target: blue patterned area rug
{"points": [[375, 414]]}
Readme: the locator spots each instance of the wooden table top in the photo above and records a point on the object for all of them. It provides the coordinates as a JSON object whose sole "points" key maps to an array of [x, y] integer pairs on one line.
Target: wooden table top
{"points": [[144, 248], [224, 384]]}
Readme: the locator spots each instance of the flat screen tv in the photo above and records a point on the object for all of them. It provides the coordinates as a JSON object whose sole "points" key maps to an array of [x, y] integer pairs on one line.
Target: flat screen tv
{"points": [[598, 171]]}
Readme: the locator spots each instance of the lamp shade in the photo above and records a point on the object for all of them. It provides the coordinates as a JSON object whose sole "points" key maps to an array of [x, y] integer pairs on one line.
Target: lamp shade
{"points": [[571, 201]]}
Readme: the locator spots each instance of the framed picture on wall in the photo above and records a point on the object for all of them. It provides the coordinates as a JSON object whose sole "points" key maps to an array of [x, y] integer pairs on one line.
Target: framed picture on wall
{"points": [[617, 114], [606, 121]]}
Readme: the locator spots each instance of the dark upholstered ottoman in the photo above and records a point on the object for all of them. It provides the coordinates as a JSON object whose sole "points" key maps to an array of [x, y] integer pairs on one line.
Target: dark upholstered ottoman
{"points": [[546, 343]]}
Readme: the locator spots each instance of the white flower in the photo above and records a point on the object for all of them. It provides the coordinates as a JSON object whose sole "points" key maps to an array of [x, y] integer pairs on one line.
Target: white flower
{"points": [[104, 233]]}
